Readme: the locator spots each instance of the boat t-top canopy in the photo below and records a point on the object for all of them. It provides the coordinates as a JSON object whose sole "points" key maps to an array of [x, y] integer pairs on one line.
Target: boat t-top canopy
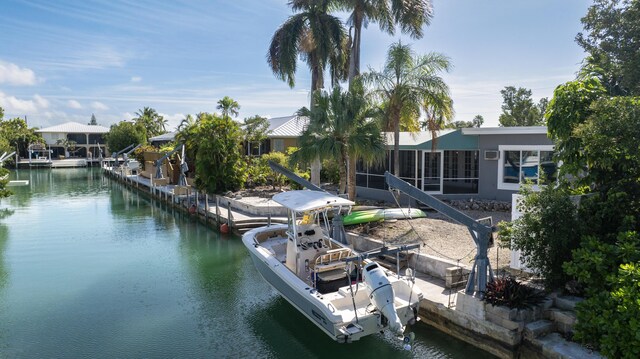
{"points": [[303, 201]]}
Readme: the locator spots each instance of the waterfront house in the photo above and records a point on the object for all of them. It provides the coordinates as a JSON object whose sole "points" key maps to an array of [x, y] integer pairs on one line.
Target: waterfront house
{"points": [[161, 140], [282, 134], [486, 163], [88, 140]]}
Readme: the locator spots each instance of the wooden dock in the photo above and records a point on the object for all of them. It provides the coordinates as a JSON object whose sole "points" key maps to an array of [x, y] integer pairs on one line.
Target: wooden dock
{"points": [[211, 209]]}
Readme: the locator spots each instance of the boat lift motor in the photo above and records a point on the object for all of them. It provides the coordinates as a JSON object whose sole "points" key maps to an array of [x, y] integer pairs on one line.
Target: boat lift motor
{"points": [[381, 295]]}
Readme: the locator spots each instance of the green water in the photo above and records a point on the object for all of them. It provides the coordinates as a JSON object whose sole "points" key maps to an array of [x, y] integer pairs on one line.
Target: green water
{"points": [[90, 269]]}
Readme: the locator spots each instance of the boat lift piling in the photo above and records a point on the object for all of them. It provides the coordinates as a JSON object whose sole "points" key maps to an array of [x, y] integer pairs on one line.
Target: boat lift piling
{"points": [[481, 233]]}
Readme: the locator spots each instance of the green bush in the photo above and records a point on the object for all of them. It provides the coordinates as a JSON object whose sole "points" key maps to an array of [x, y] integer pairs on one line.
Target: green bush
{"points": [[4, 180], [274, 178], [138, 154], [507, 291], [611, 320], [257, 171], [546, 233], [330, 171], [219, 162]]}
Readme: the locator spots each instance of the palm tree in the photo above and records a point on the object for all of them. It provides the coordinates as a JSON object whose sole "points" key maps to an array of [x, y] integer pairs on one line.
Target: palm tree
{"points": [[406, 84], [319, 39], [314, 35], [342, 126], [438, 108], [409, 15], [153, 123], [228, 106]]}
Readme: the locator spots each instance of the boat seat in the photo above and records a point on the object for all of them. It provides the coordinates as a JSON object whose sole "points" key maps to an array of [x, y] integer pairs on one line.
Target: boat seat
{"points": [[320, 268], [333, 255]]}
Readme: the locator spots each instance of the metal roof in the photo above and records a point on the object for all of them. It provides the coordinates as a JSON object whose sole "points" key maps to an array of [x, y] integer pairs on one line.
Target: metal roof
{"points": [[288, 126], [169, 136], [451, 140], [410, 140], [515, 130], [74, 127], [305, 200]]}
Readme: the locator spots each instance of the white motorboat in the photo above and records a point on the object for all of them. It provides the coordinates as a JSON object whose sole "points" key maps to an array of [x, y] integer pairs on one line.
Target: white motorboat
{"points": [[346, 295]]}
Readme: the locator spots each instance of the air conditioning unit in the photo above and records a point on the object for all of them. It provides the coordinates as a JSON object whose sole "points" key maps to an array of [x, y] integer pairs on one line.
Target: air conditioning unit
{"points": [[491, 155]]}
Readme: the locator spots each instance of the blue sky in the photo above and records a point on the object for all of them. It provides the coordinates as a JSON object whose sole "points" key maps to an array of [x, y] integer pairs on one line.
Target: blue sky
{"points": [[64, 60]]}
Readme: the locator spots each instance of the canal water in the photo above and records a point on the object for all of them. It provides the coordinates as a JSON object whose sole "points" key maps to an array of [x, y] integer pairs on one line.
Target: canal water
{"points": [[91, 269]]}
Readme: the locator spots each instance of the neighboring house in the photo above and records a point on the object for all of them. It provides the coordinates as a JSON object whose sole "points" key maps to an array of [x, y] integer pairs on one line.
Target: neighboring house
{"points": [[89, 140], [161, 140], [487, 163], [283, 133]]}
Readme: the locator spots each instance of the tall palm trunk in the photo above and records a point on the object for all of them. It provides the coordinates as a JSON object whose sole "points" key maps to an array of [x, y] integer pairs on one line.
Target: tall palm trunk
{"points": [[351, 183], [342, 169], [396, 149], [394, 122], [317, 83], [354, 56]]}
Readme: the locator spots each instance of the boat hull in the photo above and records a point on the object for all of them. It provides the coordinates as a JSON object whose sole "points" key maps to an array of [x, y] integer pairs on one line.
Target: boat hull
{"points": [[305, 299], [334, 313]]}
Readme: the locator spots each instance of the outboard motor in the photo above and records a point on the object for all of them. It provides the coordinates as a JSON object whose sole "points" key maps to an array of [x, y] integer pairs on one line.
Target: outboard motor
{"points": [[381, 295]]}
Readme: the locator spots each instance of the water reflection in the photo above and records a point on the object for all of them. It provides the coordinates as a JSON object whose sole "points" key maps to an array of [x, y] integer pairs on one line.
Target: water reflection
{"points": [[4, 273], [289, 334], [103, 271]]}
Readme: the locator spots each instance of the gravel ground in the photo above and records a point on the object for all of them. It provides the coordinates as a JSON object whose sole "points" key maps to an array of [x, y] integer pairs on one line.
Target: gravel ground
{"points": [[441, 237]]}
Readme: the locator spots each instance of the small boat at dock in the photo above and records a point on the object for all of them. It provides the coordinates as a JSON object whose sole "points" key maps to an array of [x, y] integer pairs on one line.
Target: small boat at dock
{"points": [[343, 292]]}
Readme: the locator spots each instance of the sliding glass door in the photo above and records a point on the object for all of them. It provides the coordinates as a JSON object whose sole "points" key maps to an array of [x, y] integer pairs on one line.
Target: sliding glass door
{"points": [[432, 172]]}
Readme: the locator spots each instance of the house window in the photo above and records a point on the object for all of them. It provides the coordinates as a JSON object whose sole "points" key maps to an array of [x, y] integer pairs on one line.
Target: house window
{"points": [[278, 145], [460, 173], [520, 164]]}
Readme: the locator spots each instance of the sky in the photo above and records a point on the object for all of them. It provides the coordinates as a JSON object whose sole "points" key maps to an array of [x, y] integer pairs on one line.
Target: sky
{"points": [[64, 60]]}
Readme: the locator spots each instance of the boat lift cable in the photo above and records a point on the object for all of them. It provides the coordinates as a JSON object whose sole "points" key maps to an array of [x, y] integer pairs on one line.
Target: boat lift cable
{"points": [[481, 234]]}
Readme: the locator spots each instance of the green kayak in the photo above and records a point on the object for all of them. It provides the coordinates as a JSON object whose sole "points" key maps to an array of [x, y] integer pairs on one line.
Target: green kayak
{"points": [[373, 215]]}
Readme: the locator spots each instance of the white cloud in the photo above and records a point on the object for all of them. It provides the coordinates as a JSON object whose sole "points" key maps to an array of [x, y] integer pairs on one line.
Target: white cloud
{"points": [[136, 79], [14, 105], [173, 120], [99, 106], [40, 101], [74, 104], [12, 74]]}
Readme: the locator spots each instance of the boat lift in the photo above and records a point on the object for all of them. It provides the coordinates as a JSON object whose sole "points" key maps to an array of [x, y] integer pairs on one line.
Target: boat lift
{"points": [[5, 157], [338, 232], [125, 156], [116, 163], [481, 233], [159, 161]]}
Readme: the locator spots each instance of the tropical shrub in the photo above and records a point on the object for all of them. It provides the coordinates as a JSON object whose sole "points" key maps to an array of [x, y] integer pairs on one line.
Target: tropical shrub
{"points": [[611, 319], [4, 192], [138, 154], [123, 134], [274, 178], [257, 171], [330, 171], [507, 291], [596, 138], [219, 162], [545, 234]]}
